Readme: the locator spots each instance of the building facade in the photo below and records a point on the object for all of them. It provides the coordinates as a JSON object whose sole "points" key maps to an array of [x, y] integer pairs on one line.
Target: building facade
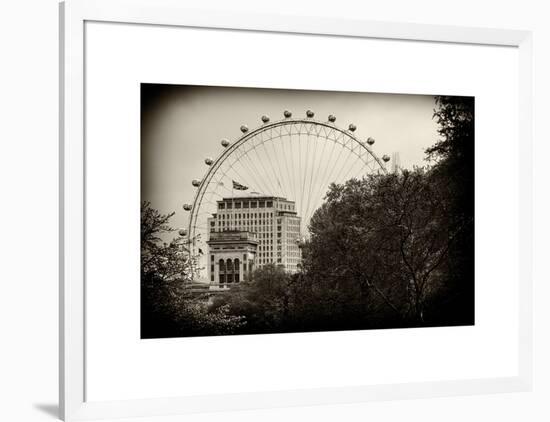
{"points": [[248, 232], [232, 255]]}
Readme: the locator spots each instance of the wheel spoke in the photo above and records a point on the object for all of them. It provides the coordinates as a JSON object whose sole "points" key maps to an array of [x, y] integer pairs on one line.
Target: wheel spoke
{"points": [[293, 158]]}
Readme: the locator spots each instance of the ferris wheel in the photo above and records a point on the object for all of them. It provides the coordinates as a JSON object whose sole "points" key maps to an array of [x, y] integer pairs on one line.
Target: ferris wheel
{"points": [[296, 158]]}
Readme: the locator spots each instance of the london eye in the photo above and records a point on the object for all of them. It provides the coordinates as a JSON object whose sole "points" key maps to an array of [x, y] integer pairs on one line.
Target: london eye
{"points": [[295, 158]]}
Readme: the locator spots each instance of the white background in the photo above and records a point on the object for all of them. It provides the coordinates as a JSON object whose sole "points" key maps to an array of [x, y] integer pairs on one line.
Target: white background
{"points": [[120, 366], [28, 303]]}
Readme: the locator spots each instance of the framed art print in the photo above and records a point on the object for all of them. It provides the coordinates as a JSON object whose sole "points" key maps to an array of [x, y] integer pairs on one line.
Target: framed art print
{"points": [[264, 211], [283, 231]]}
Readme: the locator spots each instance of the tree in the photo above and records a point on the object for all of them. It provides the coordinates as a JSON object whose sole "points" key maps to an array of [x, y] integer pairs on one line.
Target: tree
{"points": [[383, 240], [263, 300], [455, 117], [454, 158], [168, 308], [161, 261], [399, 247]]}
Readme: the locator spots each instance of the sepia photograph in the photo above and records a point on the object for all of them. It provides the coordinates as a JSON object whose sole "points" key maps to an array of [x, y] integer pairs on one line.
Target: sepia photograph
{"points": [[270, 211]]}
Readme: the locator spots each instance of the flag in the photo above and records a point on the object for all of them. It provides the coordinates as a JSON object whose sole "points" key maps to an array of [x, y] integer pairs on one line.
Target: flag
{"points": [[238, 186]]}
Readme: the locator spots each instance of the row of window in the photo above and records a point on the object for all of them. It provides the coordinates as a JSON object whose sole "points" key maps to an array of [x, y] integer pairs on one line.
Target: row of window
{"points": [[245, 204], [264, 261], [212, 258], [228, 205], [229, 270], [217, 248], [240, 227], [229, 265], [229, 216], [227, 278], [238, 223], [262, 218]]}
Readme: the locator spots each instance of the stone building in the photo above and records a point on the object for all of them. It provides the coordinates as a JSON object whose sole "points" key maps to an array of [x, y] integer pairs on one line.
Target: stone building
{"points": [[249, 232], [232, 254]]}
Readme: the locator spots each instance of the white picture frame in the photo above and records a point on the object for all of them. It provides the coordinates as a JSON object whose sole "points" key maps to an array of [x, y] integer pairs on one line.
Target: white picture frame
{"points": [[73, 15]]}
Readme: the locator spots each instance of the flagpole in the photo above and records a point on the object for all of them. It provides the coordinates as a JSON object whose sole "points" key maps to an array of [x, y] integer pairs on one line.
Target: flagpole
{"points": [[237, 186]]}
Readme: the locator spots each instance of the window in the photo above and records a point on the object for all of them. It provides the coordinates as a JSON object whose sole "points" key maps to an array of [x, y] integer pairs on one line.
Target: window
{"points": [[269, 204], [229, 271], [237, 205], [222, 278], [221, 206], [261, 204]]}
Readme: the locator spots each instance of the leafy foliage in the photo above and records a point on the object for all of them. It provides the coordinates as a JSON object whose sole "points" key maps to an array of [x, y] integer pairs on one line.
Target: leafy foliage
{"points": [[168, 308], [263, 300], [454, 157], [455, 117], [161, 261], [384, 238]]}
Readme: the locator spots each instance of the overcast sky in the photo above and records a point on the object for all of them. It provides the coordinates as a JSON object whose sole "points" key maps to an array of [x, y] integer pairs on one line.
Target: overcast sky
{"points": [[182, 125]]}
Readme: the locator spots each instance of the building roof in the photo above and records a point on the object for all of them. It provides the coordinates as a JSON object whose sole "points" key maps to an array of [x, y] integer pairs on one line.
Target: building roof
{"points": [[232, 236], [253, 196]]}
